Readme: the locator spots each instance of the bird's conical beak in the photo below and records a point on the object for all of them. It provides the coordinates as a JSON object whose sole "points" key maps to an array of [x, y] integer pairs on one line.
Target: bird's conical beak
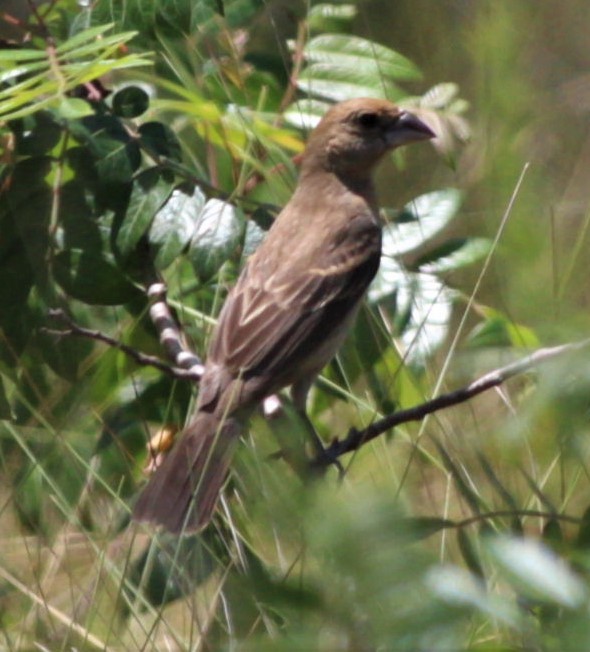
{"points": [[408, 129]]}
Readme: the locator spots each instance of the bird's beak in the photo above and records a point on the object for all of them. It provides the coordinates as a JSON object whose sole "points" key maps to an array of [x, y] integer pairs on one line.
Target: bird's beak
{"points": [[408, 129]]}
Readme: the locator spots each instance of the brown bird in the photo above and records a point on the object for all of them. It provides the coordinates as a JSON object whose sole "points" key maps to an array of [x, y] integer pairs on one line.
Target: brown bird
{"points": [[291, 307]]}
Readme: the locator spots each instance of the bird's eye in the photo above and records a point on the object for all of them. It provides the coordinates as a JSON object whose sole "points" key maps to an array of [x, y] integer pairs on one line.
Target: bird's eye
{"points": [[368, 120]]}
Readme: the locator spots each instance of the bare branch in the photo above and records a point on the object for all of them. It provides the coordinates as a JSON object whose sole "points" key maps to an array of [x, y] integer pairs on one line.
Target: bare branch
{"points": [[141, 358], [171, 337], [357, 438]]}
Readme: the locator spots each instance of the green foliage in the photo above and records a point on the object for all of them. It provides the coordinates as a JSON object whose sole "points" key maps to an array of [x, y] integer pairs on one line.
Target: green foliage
{"points": [[156, 137], [36, 79]]}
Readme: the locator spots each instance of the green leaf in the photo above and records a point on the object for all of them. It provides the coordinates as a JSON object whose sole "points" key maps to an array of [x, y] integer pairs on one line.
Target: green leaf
{"points": [[499, 330], [86, 36], [93, 278], [356, 54], [469, 553], [72, 108], [327, 17], [10, 56], [338, 82], [150, 191], [117, 155], [421, 219], [421, 303], [459, 588], [36, 134], [130, 102], [536, 572], [552, 533], [306, 113], [161, 140], [218, 233], [253, 238], [174, 225], [453, 254]]}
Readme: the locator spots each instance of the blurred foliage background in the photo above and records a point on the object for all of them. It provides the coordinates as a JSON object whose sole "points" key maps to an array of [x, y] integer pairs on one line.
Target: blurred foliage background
{"points": [[144, 137]]}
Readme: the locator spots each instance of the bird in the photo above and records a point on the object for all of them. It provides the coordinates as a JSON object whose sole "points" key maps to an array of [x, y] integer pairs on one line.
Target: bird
{"points": [[291, 307]]}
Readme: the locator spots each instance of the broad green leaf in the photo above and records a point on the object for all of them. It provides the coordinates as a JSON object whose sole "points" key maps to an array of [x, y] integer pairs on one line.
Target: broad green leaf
{"points": [[552, 533], [160, 139], [420, 303], [174, 225], [117, 155], [36, 134], [72, 108], [306, 113], [355, 54], [458, 587], [453, 254], [93, 278], [420, 220], [327, 17], [150, 191], [217, 235], [536, 572], [337, 82], [499, 330], [130, 102], [389, 278], [253, 238]]}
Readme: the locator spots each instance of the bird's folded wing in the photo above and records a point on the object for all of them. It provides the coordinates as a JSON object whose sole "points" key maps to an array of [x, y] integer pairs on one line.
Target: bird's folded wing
{"points": [[271, 321]]}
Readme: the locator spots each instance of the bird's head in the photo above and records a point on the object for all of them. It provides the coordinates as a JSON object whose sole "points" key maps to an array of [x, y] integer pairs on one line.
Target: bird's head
{"points": [[353, 136]]}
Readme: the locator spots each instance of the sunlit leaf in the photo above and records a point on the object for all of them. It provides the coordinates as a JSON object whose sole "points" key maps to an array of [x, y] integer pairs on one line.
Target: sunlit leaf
{"points": [[72, 108], [421, 303], [306, 113], [421, 219], [174, 225], [327, 17], [150, 190], [458, 587], [453, 254], [355, 53], [217, 234], [338, 82], [536, 572]]}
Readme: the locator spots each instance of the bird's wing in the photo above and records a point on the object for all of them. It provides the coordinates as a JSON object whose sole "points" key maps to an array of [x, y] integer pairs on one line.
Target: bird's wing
{"points": [[271, 321]]}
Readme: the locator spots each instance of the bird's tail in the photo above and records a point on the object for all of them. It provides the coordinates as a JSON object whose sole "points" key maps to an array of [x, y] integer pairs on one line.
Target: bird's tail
{"points": [[183, 492]]}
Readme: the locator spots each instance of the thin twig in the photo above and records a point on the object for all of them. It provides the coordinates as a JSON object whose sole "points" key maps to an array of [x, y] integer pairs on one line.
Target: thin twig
{"points": [[357, 438], [141, 358]]}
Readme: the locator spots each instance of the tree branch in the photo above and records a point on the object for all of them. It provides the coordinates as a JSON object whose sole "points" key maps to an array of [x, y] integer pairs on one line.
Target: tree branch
{"points": [[357, 438], [171, 337], [144, 359]]}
